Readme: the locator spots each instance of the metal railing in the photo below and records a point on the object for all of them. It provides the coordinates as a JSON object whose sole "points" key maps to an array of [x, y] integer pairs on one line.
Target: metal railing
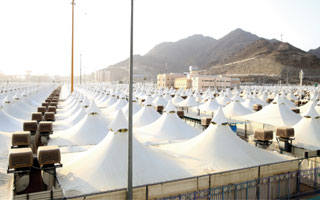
{"points": [[282, 186], [303, 180]]}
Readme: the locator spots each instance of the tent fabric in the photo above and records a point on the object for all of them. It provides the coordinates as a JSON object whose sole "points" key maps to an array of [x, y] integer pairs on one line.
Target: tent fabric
{"points": [[274, 114], [209, 106], [307, 133], [109, 170], [234, 109], [218, 149], [90, 130], [168, 128], [9, 123], [190, 101], [146, 115]]}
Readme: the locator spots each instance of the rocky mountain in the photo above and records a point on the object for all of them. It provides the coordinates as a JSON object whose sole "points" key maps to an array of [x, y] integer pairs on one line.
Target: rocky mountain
{"points": [[270, 58], [196, 50], [315, 52], [239, 52], [229, 45], [167, 57]]}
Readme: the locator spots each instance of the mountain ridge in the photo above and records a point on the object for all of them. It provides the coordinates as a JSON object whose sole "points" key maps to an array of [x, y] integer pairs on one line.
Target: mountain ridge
{"points": [[315, 52], [238, 52]]}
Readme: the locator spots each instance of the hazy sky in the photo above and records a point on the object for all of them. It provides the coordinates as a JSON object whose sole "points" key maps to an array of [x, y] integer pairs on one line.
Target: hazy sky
{"points": [[36, 34]]}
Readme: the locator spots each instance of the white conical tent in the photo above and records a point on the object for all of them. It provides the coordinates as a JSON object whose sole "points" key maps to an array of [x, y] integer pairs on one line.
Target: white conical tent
{"points": [[111, 100], [218, 149], [234, 109], [190, 101], [146, 115], [5, 144], [311, 112], [67, 114], [71, 120], [9, 123], [159, 101], [108, 166], [135, 108], [122, 102], [287, 102], [259, 101], [304, 108], [16, 109], [219, 117], [170, 107], [275, 114], [90, 130], [307, 131], [168, 128], [119, 122], [177, 99], [210, 106], [223, 100], [6, 180], [103, 99], [250, 102]]}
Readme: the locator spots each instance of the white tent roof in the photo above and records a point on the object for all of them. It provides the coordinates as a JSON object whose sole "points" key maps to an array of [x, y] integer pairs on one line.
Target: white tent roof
{"points": [[108, 167], [307, 133], [306, 107], [219, 117], [70, 121], [135, 108], [160, 101], [168, 128], [146, 115], [116, 106], [235, 108], [177, 99], [5, 144], [190, 101], [223, 100], [249, 103], [93, 108], [219, 149], [274, 114], [19, 110], [68, 113], [111, 100], [210, 105], [90, 130], [170, 107], [119, 122], [9, 123], [311, 112]]}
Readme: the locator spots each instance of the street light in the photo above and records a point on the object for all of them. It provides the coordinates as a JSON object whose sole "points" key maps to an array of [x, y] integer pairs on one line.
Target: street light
{"points": [[129, 188], [72, 44]]}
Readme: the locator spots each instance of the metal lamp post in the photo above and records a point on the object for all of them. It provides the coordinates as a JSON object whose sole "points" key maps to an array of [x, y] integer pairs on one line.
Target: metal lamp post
{"points": [[129, 188], [72, 44]]}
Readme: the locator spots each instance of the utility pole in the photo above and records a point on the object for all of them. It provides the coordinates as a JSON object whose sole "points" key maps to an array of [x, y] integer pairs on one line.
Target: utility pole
{"points": [[80, 66], [129, 188], [301, 77], [72, 45], [281, 37], [287, 75], [166, 67]]}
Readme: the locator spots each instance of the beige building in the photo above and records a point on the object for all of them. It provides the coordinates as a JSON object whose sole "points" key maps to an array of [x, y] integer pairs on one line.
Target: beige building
{"points": [[102, 75], [203, 82], [196, 81], [167, 80], [184, 83]]}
